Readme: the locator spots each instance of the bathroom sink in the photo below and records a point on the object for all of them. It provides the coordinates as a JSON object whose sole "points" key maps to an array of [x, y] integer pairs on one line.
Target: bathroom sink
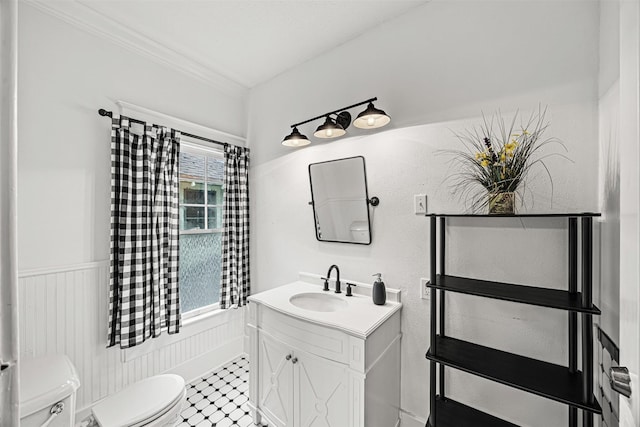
{"points": [[318, 302]]}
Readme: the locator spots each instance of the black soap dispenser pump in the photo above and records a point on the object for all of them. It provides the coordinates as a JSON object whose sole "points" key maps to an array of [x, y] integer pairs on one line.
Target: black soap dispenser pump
{"points": [[379, 293]]}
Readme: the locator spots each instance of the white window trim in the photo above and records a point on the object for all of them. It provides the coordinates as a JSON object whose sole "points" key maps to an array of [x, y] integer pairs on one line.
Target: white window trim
{"points": [[191, 326], [207, 152], [194, 205], [201, 231], [202, 147], [216, 152], [190, 315], [139, 112]]}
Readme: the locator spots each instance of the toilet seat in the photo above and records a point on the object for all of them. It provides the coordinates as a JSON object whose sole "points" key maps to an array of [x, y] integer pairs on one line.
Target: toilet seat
{"points": [[141, 403]]}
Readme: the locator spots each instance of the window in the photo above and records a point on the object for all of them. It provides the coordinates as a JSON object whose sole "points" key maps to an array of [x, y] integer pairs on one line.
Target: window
{"points": [[201, 201]]}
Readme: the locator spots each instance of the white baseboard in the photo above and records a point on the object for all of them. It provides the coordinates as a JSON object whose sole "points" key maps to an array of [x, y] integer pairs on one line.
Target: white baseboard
{"points": [[195, 367], [410, 420], [209, 361]]}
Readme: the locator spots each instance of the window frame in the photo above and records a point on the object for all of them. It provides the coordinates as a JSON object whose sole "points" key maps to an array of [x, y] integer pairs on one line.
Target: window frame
{"points": [[209, 151]]}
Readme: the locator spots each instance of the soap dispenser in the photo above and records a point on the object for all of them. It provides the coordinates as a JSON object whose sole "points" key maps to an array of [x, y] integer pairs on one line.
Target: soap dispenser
{"points": [[379, 293]]}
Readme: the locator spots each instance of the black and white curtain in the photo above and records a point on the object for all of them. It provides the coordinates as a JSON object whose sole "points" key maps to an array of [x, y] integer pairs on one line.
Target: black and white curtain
{"points": [[235, 285], [143, 296]]}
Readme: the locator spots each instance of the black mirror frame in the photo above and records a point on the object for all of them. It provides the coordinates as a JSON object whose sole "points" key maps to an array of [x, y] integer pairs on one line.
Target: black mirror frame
{"points": [[374, 201]]}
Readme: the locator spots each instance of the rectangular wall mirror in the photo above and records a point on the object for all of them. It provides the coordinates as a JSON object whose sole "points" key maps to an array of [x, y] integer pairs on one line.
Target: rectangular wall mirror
{"points": [[340, 201]]}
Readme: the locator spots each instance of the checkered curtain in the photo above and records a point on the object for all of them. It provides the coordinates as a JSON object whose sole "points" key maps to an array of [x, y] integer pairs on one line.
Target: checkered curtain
{"points": [[235, 285], [143, 296]]}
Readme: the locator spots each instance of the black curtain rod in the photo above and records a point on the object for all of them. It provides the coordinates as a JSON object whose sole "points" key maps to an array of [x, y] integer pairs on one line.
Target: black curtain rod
{"points": [[106, 113]]}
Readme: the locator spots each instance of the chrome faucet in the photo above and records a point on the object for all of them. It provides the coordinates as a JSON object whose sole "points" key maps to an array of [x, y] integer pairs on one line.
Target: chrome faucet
{"points": [[337, 279]]}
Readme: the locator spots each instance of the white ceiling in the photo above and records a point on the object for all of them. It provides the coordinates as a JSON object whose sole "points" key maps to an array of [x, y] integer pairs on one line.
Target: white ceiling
{"points": [[247, 42]]}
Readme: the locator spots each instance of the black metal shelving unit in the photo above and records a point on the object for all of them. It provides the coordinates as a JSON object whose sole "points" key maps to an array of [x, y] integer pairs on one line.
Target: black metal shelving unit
{"points": [[565, 384]]}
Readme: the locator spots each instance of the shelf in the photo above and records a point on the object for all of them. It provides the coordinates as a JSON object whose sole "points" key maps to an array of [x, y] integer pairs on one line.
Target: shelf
{"points": [[526, 215], [450, 413], [544, 379], [543, 297]]}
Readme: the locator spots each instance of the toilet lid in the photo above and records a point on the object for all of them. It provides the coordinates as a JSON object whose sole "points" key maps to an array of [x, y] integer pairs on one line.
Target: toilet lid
{"points": [[144, 400]]}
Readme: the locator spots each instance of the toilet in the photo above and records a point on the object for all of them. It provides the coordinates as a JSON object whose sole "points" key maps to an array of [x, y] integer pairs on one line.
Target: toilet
{"points": [[48, 387], [359, 231]]}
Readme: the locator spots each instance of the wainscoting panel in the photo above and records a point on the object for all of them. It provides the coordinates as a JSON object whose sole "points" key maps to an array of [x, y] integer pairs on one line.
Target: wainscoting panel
{"points": [[64, 311]]}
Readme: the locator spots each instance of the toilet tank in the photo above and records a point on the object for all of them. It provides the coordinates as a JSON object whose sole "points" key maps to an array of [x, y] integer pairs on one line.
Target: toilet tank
{"points": [[359, 231], [45, 383]]}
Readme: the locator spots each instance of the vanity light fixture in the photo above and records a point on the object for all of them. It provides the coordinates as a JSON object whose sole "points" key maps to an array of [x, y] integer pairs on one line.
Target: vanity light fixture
{"points": [[370, 118], [295, 139], [329, 129]]}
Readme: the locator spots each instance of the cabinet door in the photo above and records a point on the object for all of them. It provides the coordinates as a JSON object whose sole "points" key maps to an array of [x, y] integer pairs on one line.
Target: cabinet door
{"points": [[276, 381], [322, 397]]}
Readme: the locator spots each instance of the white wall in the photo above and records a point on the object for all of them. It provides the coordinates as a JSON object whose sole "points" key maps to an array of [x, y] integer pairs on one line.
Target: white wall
{"points": [[630, 203], [609, 192], [444, 61], [609, 166], [437, 68], [9, 351], [65, 76]]}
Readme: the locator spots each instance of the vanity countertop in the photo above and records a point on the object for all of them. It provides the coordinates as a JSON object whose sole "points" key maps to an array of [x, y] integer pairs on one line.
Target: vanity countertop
{"points": [[359, 318]]}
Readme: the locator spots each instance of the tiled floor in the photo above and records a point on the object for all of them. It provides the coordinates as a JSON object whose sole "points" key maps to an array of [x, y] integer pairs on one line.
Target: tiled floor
{"points": [[220, 398]]}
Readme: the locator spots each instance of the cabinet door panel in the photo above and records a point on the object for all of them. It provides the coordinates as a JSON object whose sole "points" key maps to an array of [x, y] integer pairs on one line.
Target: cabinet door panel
{"points": [[322, 398], [276, 381]]}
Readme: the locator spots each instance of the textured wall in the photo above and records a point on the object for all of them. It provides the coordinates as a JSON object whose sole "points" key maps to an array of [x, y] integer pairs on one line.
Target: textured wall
{"points": [[404, 162], [437, 69], [447, 60]]}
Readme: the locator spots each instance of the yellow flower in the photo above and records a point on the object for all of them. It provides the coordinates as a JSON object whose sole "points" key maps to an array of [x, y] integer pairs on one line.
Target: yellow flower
{"points": [[484, 163], [503, 157], [482, 155]]}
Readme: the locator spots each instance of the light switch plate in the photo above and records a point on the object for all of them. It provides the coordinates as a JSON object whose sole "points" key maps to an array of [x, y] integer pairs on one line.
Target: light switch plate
{"points": [[424, 291], [420, 204]]}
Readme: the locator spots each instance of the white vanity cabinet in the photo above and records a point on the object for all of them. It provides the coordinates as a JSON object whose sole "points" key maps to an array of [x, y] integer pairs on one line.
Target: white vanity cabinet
{"points": [[308, 374], [299, 389], [275, 380]]}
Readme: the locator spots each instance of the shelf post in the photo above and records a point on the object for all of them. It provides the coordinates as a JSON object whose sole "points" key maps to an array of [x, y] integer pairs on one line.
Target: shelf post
{"points": [[573, 316], [434, 308], [587, 319], [442, 297]]}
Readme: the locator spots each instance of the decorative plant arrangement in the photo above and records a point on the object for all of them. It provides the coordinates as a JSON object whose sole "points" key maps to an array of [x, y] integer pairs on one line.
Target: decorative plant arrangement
{"points": [[497, 160]]}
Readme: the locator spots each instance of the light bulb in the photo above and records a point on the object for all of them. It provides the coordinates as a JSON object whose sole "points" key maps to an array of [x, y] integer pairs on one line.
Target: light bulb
{"points": [[371, 121], [329, 133]]}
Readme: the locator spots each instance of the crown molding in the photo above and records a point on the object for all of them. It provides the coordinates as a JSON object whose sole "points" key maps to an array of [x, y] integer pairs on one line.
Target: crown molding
{"points": [[92, 21]]}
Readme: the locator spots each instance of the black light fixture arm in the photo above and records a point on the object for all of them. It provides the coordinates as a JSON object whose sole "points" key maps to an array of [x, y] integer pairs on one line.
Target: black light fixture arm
{"points": [[335, 111]]}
